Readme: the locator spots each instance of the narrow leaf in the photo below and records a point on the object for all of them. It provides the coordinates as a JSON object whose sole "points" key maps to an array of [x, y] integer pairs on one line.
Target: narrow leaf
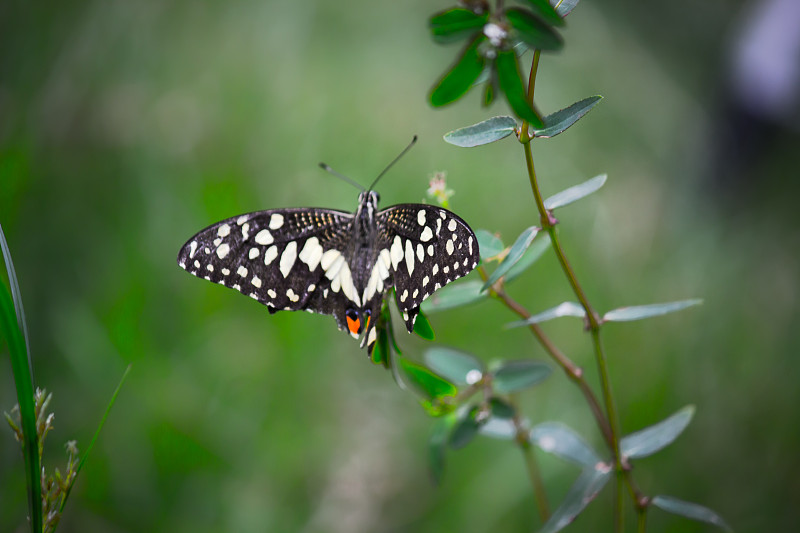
{"points": [[485, 132], [466, 429], [652, 439], [501, 409], [461, 76], [563, 119], [456, 366], [532, 31], [489, 244], [563, 309], [519, 247], [422, 327], [546, 12], [454, 295], [514, 376], [563, 7], [437, 444], [510, 81], [583, 491], [575, 193], [533, 254], [638, 312], [562, 441], [431, 386], [690, 510], [453, 24], [489, 91]]}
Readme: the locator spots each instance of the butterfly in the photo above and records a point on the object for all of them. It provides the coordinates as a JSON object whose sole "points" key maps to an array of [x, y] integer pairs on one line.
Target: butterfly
{"points": [[335, 262]]}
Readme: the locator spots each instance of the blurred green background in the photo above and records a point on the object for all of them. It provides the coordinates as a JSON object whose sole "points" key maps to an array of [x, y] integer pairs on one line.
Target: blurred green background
{"points": [[127, 126]]}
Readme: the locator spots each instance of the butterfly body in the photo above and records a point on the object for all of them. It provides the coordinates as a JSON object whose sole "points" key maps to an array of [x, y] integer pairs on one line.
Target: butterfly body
{"points": [[334, 262]]}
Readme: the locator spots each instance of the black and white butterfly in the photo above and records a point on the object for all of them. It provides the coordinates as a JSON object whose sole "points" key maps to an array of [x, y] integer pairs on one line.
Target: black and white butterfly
{"points": [[334, 262]]}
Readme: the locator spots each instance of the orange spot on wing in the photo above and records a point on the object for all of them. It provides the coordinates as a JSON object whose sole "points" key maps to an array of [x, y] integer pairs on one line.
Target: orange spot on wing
{"points": [[366, 326], [353, 325]]}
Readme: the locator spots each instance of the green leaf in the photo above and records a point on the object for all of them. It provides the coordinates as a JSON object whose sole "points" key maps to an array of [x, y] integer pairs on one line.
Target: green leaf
{"points": [[533, 254], [426, 382], [501, 409], [510, 81], [563, 442], [563, 7], [466, 429], [519, 247], [380, 353], [499, 428], [422, 327], [437, 444], [461, 76], [638, 312], [562, 309], [485, 132], [583, 491], [532, 31], [561, 120], [489, 91], [689, 510], [454, 24], [575, 193], [459, 367], [513, 376], [545, 11], [489, 244], [454, 295], [652, 439], [12, 329]]}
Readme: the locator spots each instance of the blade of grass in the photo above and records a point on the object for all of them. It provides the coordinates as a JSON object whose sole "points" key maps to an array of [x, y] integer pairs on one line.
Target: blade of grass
{"points": [[24, 385], [96, 434], [16, 295]]}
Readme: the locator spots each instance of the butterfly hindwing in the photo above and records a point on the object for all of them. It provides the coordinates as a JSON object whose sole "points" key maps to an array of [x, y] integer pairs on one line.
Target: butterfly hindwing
{"points": [[273, 256], [429, 247]]}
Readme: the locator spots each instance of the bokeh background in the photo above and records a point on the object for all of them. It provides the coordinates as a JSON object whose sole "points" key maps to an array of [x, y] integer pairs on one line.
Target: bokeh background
{"points": [[127, 126]]}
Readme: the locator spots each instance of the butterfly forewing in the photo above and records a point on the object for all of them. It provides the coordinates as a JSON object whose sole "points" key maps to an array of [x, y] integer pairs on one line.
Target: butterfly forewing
{"points": [[429, 247], [272, 256]]}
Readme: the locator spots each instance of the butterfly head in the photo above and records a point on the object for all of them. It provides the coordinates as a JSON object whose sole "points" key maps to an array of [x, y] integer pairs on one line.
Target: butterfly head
{"points": [[368, 203]]}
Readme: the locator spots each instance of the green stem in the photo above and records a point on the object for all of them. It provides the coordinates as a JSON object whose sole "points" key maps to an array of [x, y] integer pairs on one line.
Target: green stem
{"points": [[524, 441], [548, 223]]}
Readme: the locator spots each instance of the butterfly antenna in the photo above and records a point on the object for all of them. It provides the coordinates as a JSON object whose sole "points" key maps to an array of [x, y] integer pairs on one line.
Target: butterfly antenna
{"points": [[342, 177], [390, 165]]}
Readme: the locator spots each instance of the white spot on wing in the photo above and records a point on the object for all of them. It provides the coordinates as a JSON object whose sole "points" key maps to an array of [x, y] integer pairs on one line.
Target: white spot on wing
{"points": [[242, 271], [270, 254], [223, 250], [397, 252], [225, 271], [256, 281], [409, 257], [245, 232], [241, 220], [421, 217], [271, 293], [311, 253], [264, 237], [275, 221], [430, 250], [292, 296], [192, 249], [224, 230], [287, 258], [452, 225], [449, 247], [427, 234], [404, 296], [425, 280], [420, 252], [253, 253]]}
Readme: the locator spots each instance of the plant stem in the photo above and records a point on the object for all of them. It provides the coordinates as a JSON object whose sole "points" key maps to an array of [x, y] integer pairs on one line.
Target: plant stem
{"points": [[573, 371], [524, 441], [548, 223]]}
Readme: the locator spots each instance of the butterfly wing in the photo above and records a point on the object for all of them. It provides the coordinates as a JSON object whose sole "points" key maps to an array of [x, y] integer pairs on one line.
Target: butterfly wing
{"points": [[429, 247], [277, 257]]}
